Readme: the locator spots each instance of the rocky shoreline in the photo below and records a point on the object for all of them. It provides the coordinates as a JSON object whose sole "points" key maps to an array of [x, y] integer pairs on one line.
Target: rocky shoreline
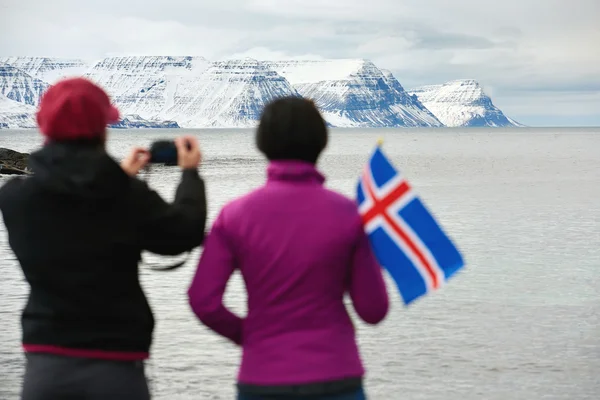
{"points": [[13, 163]]}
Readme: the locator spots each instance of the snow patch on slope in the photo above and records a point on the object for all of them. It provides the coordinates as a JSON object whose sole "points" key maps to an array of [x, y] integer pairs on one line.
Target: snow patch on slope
{"points": [[312, 71], [16, 115], [462, 103]]}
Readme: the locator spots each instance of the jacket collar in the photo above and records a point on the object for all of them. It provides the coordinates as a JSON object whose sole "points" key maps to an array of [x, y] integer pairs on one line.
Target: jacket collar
{"points": [[293, 170]]}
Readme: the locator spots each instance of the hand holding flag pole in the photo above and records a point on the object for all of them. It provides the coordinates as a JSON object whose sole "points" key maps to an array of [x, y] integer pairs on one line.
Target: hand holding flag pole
{"points": [[406, 239]]}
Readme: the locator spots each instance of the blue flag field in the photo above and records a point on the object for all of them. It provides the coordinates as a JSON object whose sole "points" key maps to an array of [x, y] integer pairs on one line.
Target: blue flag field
{"points": [[405, 237]]}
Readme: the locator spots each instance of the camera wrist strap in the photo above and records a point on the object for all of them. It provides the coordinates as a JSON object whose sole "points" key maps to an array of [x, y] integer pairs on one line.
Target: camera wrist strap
{"points": [[164, 267]]}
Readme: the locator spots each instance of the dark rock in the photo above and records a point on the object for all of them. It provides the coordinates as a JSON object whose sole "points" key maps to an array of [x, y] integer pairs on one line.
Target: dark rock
{"points": [[13, 163], [135, 121]]}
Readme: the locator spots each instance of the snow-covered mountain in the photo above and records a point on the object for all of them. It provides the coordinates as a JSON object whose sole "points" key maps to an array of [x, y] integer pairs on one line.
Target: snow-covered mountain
{"points": [[190, 90], [133, 83], [144, 85], [20, 86], [355, 93], [16, 115], [193, 92], [462, 103], [228, 94]]}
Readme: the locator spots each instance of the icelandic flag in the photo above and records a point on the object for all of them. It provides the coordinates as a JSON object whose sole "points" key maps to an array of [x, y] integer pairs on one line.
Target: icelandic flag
{"points": [[406, 239]]}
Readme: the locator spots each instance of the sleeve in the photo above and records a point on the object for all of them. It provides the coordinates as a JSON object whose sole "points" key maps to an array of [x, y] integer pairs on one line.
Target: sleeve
{"points": [[207, 289], [367, 287], [171, 229], [5, 194]]}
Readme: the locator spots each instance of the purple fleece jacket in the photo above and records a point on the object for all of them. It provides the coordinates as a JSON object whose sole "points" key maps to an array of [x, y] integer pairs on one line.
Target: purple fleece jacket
{"points": [[299, 247]]}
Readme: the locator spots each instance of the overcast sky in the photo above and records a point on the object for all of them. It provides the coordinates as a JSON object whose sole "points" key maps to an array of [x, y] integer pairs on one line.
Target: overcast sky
{"points": [[538, 59]]}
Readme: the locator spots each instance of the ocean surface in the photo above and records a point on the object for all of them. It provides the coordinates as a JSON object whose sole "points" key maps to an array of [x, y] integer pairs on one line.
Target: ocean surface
{"points": [[521, 321]]}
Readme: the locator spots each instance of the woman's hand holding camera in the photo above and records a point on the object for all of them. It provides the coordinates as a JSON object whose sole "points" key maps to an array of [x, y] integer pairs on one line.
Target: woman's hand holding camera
{"points": [[188, 156], [188, 152], [135, 161]]}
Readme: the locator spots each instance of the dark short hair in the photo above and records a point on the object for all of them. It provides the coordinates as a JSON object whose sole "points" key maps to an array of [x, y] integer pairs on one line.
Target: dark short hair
{"points": [[291, 128]]}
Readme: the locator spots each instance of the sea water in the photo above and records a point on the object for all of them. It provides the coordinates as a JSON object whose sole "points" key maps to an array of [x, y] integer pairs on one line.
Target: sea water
{"points": [[521, 321]]}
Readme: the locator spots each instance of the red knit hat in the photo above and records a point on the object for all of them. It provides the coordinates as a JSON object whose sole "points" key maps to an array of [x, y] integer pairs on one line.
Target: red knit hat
{"points": [[75, 108]]}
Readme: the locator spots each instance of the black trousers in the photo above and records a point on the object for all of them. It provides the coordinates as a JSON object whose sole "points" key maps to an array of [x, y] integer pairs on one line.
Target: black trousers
{"points": [[51, 377]]}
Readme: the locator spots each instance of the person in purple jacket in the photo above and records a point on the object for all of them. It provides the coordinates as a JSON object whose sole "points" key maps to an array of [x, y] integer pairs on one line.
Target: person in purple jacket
{"points": [[300, 248]]}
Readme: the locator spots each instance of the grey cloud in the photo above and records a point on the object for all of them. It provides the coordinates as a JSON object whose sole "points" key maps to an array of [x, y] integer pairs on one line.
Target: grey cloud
{"points": [[420, 35], [572, 85], [439, 40], [356, 29], [342, 39], [328, 47], [508, 32]]}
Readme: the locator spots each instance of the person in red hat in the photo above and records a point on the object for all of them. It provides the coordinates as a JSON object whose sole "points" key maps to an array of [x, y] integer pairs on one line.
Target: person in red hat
{"points": [[77, 226]]}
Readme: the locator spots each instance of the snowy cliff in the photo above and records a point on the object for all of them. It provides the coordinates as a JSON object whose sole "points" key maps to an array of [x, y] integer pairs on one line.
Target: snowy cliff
{"points": [[409, 107], [355, 93], [228, 94], [47, 69], [16, 115], [190, 90], [462, 103], [144, 85], [19, 86]]}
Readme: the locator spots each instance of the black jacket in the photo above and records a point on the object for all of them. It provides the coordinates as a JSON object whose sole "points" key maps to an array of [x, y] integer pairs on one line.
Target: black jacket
{"points": [[77, 227]]}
